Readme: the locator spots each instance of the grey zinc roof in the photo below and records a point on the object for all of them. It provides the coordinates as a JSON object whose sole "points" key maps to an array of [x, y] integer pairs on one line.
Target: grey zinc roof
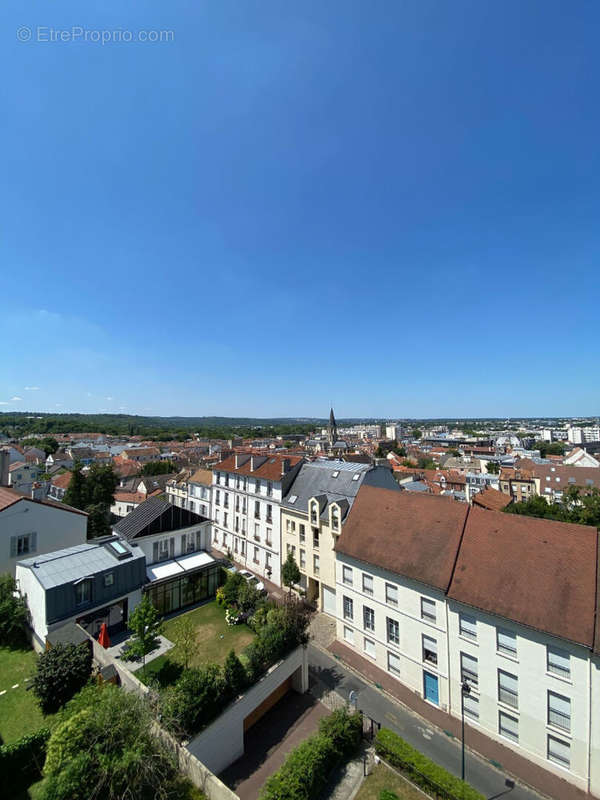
{"points": [[74, 563], [141, 517], [315, 479]]}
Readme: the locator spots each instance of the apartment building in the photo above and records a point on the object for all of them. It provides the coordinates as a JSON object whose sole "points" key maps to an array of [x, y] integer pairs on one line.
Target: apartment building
{"points": [[517, 482], [465, 605], [312, 515], [546, 479], [246, 497], [200, 492]]}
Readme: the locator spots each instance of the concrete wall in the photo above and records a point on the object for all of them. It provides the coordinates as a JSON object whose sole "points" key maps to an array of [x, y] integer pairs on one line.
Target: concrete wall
{"points": [[209, 745]]}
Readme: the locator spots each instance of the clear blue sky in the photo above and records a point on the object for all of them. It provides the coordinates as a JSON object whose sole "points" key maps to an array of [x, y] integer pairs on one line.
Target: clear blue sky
{"points": [[392, 206]]}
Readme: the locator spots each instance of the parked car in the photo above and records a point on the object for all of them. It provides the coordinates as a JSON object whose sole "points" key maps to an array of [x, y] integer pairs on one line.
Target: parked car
{"points": [[252, 579]]}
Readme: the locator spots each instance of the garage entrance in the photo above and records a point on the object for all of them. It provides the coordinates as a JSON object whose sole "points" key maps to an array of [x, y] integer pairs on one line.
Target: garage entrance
{"points": [[267, 704], [328, 603]]}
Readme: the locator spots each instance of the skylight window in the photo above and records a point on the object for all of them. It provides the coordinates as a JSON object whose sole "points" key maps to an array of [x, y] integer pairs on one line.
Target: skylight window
{"points": [[293, 499], [335, 474], [356, 476]]}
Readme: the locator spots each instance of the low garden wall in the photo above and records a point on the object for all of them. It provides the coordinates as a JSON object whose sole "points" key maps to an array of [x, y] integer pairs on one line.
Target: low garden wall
{"points": [[222, 742]]}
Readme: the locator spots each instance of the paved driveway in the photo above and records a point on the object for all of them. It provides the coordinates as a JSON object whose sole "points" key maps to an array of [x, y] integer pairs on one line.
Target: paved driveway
{"points": [[289, 722]]}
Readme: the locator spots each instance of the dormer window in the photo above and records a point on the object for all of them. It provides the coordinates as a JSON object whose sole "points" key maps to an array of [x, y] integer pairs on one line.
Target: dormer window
{"points": [[314, 518], [335, 518], [83, 591]]}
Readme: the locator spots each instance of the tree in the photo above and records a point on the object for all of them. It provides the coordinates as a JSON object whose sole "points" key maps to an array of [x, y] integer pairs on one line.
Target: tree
{"points": [[76, 493], [194, 701], [14, 615], [234, 674], [158, 468], [61, 672], [416, 433], [426, 463], [290, 572], [549, 448], [493, 467], [185, 639], [146, 627], [105, 747]]}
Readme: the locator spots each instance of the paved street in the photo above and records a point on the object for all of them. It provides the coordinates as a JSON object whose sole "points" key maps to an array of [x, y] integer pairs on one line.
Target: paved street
{"points": [[416, 731]]}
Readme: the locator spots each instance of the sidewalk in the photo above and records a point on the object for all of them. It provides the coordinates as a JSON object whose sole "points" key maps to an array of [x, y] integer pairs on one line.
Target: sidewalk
{"points": [[502, 757]]}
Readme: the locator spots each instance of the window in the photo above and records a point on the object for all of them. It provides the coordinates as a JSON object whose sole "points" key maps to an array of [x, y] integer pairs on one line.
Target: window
{"points": [[268, 560], [314, 514], [430, 654], [508, 689], [269, 513], [269, 539], [225, 500], [467, 626], [367, 583], [217, 515], [369, 647], [83, 592], [468, 669], [558, 662], [335, 519], [428, 609], [368, 619], [348, 634], [348, 608], [293, 499], [315, 537], [257, 486], [24, 544], [288, 526], [471, 706], [302, 529], [302, 559], [270, 488], [559, 752], [506, 642], [559, 711], [508, 726], [347, 575], [393, 663], [225, 520], [255, 559], [256, 509], [218, 497], [391, 594], [316, 564], [393, 630], [109, 579], [257, 533]]}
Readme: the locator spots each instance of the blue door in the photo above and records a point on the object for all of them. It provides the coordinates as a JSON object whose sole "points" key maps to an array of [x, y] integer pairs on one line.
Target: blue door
{"points": [[431, 688]]}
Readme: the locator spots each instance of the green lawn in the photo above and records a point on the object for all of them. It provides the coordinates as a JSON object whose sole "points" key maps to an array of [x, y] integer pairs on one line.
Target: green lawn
{"points": [[19, 711], [383, 778], [215, 639]]}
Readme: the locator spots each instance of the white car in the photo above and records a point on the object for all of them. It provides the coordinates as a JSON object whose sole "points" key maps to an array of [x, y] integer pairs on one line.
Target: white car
{"points": [[248, 576]]}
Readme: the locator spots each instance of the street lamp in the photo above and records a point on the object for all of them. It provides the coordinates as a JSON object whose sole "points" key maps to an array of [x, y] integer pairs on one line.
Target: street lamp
{"points": [[465, 689]]}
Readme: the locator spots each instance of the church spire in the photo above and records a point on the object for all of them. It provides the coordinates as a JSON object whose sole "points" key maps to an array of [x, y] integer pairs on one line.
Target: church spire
{"points": [[332, 429]]}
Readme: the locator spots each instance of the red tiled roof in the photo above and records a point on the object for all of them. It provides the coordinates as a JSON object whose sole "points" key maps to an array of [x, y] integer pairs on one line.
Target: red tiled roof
{"points": [[491, 499], [130, 497], [414, 535], [537, 572], [63, 480], [270, 469], [9, 497]]}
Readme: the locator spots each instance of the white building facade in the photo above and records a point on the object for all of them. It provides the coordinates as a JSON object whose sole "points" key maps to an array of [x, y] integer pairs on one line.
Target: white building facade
{"points": [[246, 499]]}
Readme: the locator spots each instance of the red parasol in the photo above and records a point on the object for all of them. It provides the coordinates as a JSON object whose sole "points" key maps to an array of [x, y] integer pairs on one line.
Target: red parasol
{"points": [[103, 637]]}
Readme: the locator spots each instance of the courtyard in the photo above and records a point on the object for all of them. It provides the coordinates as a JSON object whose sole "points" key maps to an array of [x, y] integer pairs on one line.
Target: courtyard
{"points": [[214, 636]]}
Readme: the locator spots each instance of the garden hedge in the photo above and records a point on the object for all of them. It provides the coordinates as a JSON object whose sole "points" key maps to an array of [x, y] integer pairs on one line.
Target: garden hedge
{"points": [[22, 761], [306, 770], [421, 770]]}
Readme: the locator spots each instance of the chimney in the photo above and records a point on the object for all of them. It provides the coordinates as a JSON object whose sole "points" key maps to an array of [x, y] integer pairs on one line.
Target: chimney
{"points": [[4, 462], [285, 465], [251, 463], [237, 458]]}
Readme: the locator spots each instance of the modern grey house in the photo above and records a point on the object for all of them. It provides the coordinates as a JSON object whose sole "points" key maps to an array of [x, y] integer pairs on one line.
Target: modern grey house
{"points": [[179, 570], [89, 584]]}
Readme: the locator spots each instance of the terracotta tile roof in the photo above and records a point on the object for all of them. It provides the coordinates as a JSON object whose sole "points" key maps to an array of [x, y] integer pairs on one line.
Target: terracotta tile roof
{"points": [[491, 499], [130, 497], [537, 572], [415, 535], [125, 468], [63, 480], [9, 497], [269, 467], [203, 476]]}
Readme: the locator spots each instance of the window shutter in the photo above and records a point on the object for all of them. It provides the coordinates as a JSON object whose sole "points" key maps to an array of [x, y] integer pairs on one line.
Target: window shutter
{"points": [[33, 542], [13, 546], [155, 552]]}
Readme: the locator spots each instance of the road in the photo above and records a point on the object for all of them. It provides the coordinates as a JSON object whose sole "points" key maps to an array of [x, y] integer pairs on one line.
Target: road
{"points": [[415, 730]]}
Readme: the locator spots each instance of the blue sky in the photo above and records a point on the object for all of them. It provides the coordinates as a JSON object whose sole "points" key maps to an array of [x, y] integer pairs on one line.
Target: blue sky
{"points": [[391, 206]]}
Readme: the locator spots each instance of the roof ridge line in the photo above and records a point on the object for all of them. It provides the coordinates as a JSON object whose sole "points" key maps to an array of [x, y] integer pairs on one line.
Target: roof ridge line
{"points": [[462, 534]]}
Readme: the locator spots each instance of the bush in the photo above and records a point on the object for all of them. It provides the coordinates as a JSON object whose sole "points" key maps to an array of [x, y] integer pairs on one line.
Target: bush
{"points": [[61, 672], [14, 615], [234, 675], [194, 701], [230, 589], [307, 768], [344, 729], [21, 762], [385, 794], [420, 769]]}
